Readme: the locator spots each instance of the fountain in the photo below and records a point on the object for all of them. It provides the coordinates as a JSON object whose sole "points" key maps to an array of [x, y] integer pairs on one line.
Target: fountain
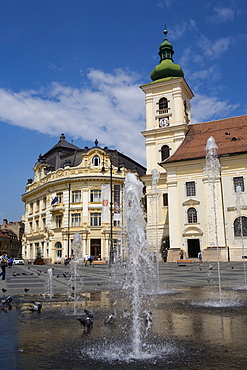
{"points": [[239, 207], [155, 179], [49, 284], [213, 172], [75, 282]]}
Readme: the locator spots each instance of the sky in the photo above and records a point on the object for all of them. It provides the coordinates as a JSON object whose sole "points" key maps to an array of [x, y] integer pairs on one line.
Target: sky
{"points": [[76, 67]]}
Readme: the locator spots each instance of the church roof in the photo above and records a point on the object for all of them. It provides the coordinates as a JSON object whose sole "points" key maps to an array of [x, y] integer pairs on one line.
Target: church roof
{"points": [[230, 135]]}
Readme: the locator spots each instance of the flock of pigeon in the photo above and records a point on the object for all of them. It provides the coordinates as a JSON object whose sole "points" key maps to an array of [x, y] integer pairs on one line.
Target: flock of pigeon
{"points": [[87, 320]]}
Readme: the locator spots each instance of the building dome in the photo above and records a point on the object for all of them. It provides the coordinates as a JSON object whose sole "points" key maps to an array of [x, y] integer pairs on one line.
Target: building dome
{"points": [[166, 68]]}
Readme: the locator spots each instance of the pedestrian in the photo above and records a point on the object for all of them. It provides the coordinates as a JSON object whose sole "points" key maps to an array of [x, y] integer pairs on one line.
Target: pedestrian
{"points": [[10, 261], [86, 259], [90, 260], [200, 257], [181, 255], [4, 264]]}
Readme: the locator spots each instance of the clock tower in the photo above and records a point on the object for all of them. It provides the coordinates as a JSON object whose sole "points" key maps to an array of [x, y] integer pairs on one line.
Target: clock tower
{"points": [[167, 100], [167, 108]]}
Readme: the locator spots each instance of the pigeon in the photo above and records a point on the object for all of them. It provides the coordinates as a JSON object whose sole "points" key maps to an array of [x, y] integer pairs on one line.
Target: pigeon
{"points": [[64, 275], [14, 273], [4, 290], [148, 315], [87, 323], [7, 300], [26, 290], [89, 314], [36, 306], [111, 318]]}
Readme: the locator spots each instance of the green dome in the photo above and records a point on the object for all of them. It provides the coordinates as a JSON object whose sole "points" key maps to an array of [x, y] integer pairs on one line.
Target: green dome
{"points": [[166, 68]]}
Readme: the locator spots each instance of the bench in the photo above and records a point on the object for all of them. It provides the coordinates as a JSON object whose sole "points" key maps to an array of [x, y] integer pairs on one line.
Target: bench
{"points": [[99, 263], [185, 262]]}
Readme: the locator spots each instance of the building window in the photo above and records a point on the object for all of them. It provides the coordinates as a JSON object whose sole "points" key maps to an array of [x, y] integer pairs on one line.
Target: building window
{"points": [[95, 219], [37, 206], [238, 181], [31, 207], [190, 189], [44, 203], [192, 215], [163, 106], [75, 219], [30, 227], [117, 192], [37, 225], [59, 197], [95, 196], [43, 222], [165, 200], [59, 249], [59, 221], [96, 161], [240, 226], [76, 196], [165, 152]]}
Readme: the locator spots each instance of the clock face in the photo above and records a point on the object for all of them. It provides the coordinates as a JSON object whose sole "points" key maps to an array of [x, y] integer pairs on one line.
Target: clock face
{"points": [[164, 122]]}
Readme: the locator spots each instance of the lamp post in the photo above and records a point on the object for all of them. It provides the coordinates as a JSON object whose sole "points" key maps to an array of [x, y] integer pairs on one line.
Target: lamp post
{"points": [[103, 171]]}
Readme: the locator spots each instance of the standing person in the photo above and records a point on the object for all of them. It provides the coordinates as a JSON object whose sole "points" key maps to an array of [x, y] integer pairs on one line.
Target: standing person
{"points": [[200, 257], [181, 255], [4, 264], [86, 259], [90, 259]]}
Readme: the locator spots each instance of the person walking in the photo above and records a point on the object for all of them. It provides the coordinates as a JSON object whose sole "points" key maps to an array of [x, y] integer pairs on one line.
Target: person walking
{"points": [[200, 257], [4, 264]]}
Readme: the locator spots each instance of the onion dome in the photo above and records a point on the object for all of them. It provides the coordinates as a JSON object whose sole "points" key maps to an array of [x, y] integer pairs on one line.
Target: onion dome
{"points": [[166, 68]]}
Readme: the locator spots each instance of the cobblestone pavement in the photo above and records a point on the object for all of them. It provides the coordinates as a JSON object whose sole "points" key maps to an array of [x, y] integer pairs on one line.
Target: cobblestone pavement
{"points": [[21, 280]]}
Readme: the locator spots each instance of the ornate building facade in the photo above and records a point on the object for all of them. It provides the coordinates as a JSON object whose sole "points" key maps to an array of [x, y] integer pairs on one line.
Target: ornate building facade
{"points": [[186, 210], [76, 190]]}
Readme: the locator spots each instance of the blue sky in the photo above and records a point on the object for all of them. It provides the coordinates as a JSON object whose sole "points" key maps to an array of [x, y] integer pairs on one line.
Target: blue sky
{"points": [[75, 66]]}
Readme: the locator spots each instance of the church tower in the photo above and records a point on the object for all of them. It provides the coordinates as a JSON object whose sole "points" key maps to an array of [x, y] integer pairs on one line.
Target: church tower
{"points": [[167, 100], [167, 108]]}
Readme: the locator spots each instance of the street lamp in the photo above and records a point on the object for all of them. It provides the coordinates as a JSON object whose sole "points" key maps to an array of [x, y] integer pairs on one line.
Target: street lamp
{"points": [[103, 171]]}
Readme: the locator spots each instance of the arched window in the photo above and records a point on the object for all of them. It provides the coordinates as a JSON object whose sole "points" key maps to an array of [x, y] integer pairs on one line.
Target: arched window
{"points": [[192, 215], [163, 105], [165, 152], [58, 247], [96, 161], [240, 226]]}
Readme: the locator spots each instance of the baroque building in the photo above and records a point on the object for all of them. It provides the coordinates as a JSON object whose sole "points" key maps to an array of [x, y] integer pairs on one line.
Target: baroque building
{"points": [[186, 210], [76, 190]]}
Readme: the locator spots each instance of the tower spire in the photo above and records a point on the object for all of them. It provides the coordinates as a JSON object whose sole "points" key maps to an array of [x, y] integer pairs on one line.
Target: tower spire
{"points": [[166, 68]]}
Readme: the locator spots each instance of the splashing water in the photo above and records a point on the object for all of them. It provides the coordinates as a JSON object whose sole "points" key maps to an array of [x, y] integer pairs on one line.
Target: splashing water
{"points": [[49, 284], [75, 281], [239, 207], [155, 179], [213, 172], [139, 264]]}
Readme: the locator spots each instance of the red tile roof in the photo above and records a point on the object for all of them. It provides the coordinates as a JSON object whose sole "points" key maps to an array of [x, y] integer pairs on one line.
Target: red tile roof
{"points": [[230, 135]]}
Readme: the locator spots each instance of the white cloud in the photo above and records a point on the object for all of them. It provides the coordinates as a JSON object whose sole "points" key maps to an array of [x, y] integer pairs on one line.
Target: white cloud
{"points": [[205, 108], [223, 15], [216, 48], [111, 108]]}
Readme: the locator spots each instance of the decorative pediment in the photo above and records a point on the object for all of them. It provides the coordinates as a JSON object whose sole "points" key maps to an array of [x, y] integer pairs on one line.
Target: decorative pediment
{"points": [[192, 231], [191, 202]]}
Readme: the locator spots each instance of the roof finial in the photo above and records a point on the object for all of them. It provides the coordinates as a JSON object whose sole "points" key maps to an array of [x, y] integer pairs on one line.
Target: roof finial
{"points": [[165, 31]]}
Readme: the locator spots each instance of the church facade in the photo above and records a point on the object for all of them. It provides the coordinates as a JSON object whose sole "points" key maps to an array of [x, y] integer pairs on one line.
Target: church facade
{"points": [[195, 197]]}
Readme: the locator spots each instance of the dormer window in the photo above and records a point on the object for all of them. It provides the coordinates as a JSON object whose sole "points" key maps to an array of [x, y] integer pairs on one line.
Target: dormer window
{"points": [[96, 161], [163, 106]]}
